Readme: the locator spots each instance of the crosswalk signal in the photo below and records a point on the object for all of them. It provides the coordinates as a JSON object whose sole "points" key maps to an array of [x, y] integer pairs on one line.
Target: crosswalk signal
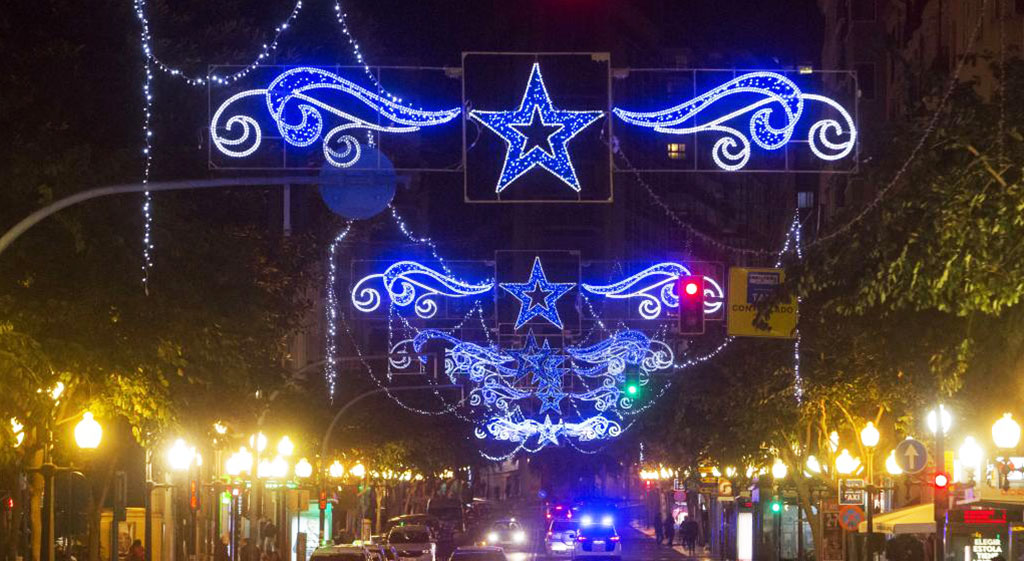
{"points": [[691, 304], [194, 492]]}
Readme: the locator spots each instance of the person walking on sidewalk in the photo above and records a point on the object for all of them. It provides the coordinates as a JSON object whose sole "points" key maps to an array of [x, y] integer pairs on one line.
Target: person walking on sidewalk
{"points": [[670, 529], [658, 533]]}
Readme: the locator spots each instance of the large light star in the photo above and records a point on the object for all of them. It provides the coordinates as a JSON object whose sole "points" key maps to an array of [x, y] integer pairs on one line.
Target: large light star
{"points": [[537, 296], [537, 134]]}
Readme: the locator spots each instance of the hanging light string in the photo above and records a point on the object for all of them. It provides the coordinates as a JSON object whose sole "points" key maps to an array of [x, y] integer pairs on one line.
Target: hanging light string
{"points": [[932, 125], [147, 149], [331, 350]]}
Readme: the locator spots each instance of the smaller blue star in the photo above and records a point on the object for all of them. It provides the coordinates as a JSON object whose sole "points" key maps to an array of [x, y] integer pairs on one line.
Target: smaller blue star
{"points": [[532, 357], [541, 298]]}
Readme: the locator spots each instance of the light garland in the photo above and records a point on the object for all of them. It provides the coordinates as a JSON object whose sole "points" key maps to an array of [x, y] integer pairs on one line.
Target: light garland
{"points": [[301, 86], [527, 292], [536, 112], [401, 281], [732, 151], [661, 292], [147, 151], [330, 352]]}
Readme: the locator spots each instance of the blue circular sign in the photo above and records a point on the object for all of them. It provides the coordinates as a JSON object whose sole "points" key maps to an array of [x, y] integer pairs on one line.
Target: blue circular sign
{"points": [[362, 190], [911, 455]]}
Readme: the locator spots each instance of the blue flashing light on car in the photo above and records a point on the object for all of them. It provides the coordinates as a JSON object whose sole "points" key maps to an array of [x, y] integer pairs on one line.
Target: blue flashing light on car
{"points": [[607, 520]]}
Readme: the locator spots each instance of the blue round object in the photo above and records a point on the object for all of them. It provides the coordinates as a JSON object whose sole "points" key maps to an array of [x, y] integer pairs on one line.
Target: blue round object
{"points": [[362, 190]]}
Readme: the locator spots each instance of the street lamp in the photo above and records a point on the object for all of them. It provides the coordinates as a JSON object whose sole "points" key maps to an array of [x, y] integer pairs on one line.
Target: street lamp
{"points": [[891, 465], [813, 465], [933, 420], [1006, 432], [779, 469], [971, 456], [357, 471], [336, 470], [285, 447], [303, 469], [88, 432], [869, 438], [258, 441], [180, 455], [845, 463]]}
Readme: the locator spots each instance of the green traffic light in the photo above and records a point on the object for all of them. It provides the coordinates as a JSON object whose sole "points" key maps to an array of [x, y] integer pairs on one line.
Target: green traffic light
{"points": [[632, 389], [776, 506]]}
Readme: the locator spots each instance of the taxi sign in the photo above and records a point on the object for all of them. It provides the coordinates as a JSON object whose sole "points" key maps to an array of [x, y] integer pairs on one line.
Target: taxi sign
{"points": [[747, 287], [911, 456]]}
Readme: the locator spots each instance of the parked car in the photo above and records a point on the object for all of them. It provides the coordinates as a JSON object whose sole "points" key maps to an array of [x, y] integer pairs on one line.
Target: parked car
{"points": [[427, 520], [507, 533], [561, 537], [478, 553], [341, 553], [598, 540], [413, 542]]}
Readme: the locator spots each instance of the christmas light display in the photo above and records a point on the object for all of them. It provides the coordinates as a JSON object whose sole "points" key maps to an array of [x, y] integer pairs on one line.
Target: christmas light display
{"points": [[782, 101], [537, 296], [294, 102], [656, 288], [401, 281], [537, 134]]}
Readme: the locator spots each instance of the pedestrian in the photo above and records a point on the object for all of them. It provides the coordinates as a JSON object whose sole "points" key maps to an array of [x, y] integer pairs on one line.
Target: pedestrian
{"points": [[688, 533], [659, 534], [136, 552], [670, 529], [246, 552], [220, 551]]}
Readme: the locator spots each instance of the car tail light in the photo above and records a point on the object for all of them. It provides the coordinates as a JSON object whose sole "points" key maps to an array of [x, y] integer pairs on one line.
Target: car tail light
{"points": [[549, 516], [549, 534], [581, 539], [614, 538]]}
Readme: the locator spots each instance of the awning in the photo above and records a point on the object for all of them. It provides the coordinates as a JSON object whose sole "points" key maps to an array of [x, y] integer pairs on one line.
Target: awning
{"points": [[918, 519]]}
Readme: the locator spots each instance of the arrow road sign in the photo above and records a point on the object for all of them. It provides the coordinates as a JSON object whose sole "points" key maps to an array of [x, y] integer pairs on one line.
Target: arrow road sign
{"points": [[911, 456]]}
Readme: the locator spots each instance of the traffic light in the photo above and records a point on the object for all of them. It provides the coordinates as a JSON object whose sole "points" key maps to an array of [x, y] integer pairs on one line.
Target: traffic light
{"points": [[632, 389], [194, 493], [691, 304], [940, 480], [775, 506], [323, 499]]}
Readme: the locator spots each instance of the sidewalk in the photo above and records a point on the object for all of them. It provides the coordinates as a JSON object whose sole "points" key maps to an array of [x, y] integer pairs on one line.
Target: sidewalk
{"points": [[649, 532]]}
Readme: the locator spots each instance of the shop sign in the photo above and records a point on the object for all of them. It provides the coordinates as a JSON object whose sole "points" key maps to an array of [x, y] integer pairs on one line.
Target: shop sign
{"points": [[983, 549]]}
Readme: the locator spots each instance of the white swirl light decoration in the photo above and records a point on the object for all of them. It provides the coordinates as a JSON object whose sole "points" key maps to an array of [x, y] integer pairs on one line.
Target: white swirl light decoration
{"points": [[408, 283], [655, 286], [732, 151], [398, 359], [298, 88]]}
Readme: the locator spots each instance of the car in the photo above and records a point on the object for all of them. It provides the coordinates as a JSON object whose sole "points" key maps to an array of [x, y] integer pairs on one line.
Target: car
{"points": [[558, 510], [341, 553], [478, 553], [507, 533], [598, 540], [415, 519], [413, 542], [561, 537]]}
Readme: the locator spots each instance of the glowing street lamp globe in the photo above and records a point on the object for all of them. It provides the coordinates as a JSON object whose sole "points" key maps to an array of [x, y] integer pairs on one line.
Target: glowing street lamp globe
{"points": [[869, 435], [1006, 432], [88, 432], [933, 420], [180, 455], [779, 469], [285, 447], [336, 470], [892, 467], [303, 469], [357, 470], [845, 463]]}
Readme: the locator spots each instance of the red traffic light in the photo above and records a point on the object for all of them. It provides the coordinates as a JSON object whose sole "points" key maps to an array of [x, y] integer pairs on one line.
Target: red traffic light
{"points": [[940, 480], [690, 289]]}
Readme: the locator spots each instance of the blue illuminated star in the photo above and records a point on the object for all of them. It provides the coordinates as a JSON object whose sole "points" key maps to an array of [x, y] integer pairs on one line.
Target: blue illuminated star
{"points": [[541, 298], [532, 357], [547, 432], [537, 134]]}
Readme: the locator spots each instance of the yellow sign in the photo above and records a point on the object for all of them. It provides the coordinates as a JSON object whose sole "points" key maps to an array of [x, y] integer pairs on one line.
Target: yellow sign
{"points": [[747, 286]]}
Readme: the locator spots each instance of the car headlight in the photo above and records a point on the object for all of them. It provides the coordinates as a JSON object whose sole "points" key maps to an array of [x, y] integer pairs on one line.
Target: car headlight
{"points": [[519, 537], [492, 537]]}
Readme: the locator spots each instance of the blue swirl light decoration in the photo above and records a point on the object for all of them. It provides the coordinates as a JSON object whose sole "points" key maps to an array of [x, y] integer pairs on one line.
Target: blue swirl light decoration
{"points": [[829, 139], [410, 283], [655, 287], [299, 116], [505, 389]]}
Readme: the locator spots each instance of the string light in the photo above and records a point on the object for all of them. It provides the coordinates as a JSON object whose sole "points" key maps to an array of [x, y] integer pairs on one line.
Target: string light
{"points": [[732, 151], [330, 368], [536, 111]]}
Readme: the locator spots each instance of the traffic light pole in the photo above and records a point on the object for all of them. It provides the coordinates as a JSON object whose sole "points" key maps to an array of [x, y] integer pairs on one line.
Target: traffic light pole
{"points": [[941, 499]]}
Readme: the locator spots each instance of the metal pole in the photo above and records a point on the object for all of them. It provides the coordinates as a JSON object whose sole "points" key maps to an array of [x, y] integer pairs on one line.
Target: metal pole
{"points": [[31, 220], [148, 516], [941, 500], [47, 470]]}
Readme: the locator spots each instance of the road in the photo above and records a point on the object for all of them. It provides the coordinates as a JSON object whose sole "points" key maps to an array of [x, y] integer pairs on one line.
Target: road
{"points": [[635, 547]]}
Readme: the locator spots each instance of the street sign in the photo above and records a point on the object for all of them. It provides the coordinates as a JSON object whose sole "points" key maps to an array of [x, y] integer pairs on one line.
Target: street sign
{"points": [[851, 491], [748, 286], [708, 485], [911, 456], [850, 517]]}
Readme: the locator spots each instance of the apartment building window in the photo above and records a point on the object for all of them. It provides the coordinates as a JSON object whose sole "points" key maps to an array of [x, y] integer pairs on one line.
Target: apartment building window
{"points": [[805, 199], [865, 79], [676, 151], [863, 10]]}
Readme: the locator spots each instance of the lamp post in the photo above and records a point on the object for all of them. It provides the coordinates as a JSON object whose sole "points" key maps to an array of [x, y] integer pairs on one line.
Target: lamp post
{"points": [[939, 422], [869, 438], [1006, 435], [971, 456], [182, 458]]}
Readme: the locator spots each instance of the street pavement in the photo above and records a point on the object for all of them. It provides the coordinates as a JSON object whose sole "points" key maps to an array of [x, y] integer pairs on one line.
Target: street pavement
{"points": [[635, 547]]}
